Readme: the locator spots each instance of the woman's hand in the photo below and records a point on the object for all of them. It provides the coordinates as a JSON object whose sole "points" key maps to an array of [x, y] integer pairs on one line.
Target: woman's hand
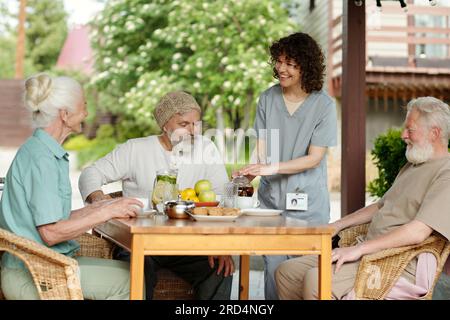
{"points": [[225, 263], [259, 170], [343, 255], [121, 208]]}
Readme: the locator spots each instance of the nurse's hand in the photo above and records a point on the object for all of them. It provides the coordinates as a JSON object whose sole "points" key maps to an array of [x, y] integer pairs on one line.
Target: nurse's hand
{"points": [[259, 170], [238, 173]]}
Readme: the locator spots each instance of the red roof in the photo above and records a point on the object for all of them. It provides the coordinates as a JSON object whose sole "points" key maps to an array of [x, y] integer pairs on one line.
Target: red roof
{"points": [[76, 53]]}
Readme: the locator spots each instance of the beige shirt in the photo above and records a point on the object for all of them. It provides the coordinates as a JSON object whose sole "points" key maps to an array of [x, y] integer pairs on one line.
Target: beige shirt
{"points": [[135, 164], [419, 192]]}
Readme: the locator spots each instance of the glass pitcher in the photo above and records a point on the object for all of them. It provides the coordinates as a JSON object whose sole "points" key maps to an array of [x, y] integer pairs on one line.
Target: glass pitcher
{"points": [[165, 188]]}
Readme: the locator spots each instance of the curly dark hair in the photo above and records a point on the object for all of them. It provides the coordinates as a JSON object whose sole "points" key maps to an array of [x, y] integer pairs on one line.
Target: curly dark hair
{"points": [[305, 51]]}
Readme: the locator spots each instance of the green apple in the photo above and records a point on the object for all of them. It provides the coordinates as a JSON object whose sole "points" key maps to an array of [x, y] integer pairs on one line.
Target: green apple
{"points": [[202, 185], [207, 196]]}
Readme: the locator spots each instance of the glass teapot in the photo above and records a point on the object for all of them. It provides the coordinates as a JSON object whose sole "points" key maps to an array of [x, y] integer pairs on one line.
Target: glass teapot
{"points": [[165, 188], [244, 187]]}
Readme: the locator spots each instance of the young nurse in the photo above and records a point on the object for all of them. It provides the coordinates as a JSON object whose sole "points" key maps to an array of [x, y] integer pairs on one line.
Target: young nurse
{"points": [[295, 124]]}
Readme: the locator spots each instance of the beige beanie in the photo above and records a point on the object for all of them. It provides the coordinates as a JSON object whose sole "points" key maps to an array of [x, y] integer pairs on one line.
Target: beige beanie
{"points": [[173, 103]]}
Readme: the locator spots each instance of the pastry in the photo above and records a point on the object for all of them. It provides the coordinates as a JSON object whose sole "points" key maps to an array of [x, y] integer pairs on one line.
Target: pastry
{"points": [[215, 211], [200, 211], [230, 211]]}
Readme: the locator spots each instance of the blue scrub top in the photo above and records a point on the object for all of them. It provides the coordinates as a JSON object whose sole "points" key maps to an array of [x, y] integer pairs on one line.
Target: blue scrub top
{"points": [[313, 123]]}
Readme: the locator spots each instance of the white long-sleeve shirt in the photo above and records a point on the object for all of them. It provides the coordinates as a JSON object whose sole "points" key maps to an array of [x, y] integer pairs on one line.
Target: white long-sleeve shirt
{"points": [[136, 162]]}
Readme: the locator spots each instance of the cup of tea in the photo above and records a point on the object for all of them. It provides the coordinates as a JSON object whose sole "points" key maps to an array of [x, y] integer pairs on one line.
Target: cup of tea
{"points": [[245, 191], [146, 210], [247, 202]]}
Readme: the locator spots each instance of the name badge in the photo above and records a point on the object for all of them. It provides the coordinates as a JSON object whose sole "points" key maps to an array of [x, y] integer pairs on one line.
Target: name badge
{"points": [[297, 201]]}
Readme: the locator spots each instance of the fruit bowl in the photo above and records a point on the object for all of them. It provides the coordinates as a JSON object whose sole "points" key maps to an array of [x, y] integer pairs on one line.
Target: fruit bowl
{"points": [[206, 204]]}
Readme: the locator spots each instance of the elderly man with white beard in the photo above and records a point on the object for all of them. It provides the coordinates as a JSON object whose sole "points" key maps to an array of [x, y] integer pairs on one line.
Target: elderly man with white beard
{"points": [[136, 162], [415, 206]]}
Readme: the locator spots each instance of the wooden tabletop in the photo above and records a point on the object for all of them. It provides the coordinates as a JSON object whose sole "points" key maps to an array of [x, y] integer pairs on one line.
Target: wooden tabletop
{"points": [[242, 225]]}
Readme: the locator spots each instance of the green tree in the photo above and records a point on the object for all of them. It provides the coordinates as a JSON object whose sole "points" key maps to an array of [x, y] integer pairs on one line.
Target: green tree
{"points": [[7, 41], [7, 56], [217, 50], [46, 31]]}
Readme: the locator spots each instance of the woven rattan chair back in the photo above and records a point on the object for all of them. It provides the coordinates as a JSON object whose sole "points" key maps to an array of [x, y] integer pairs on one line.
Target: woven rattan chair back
{"points": [[388, 265], [55, 275]]}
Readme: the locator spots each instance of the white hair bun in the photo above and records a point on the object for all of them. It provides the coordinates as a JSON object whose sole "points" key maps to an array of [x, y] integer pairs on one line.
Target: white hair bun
{"points": [[37, 89]]}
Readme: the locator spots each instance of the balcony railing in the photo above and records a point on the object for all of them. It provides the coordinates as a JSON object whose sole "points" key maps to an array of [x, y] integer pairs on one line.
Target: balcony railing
{"points": [[414, 41]]}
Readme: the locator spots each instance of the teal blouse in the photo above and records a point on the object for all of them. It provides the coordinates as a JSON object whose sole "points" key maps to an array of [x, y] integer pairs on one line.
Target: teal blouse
{"points": [[37, 192]]}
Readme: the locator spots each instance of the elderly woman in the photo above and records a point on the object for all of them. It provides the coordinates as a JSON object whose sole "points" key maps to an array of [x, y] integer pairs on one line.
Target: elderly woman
{"points": [[136, 162], [36, 200]]}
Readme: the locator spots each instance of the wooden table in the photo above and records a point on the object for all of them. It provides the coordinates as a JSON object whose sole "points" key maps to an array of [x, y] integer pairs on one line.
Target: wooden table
{"points": [[248, 235]]}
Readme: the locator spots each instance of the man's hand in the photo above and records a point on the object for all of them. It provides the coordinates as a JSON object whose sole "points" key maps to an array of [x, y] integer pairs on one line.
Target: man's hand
{"points": [[97, 196], [343, 255], [121, 208], [225, 263], [336, 226]]}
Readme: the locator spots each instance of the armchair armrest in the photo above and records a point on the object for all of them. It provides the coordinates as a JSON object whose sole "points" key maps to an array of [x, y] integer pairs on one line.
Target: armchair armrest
{"points": [[55, 275], [379, 272], [348, 235]]}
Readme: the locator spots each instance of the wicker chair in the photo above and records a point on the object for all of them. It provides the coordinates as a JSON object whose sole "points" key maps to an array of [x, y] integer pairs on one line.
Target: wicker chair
{"points": [[391, 263], [55, 275], [169, 286]]}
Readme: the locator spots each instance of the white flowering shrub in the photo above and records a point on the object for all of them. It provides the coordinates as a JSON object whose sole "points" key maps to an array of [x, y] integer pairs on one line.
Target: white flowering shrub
{"points": [[216, 50]]}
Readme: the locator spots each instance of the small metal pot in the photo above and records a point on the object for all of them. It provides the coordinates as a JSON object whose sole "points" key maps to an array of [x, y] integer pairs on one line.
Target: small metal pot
{"points": [[176, 209]]}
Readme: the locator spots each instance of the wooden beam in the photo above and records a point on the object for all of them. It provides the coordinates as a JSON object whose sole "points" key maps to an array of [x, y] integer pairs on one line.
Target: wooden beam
{"points": [[353, 108], [411, 28], [20, 49], [410, 40], [393, 7], [385, 98], [330, 50], [411, 47]]}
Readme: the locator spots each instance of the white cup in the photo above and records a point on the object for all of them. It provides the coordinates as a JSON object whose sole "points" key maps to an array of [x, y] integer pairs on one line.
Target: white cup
{"points": [[144, 201], [247, 202], [146, 210]]}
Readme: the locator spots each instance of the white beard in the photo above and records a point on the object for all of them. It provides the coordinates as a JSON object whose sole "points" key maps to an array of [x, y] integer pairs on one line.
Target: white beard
{"points": [[182, 152], [419, 154]]}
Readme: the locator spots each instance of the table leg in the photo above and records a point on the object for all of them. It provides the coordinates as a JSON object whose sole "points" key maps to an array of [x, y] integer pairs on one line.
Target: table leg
{"points": [[244, 270], [137, 269], [325, 269]]}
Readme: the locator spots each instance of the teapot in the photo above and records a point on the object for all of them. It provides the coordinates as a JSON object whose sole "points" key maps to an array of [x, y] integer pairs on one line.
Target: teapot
{"points": [[244, 187]]}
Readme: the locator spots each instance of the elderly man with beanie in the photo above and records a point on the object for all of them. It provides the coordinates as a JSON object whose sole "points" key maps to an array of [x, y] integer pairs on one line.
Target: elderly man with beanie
{"points": [[135, 163]]}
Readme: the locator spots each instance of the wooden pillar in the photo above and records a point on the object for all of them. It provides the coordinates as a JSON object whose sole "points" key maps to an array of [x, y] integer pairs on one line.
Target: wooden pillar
{"points": [[353, 108], [385, 98], [20, 48]]}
